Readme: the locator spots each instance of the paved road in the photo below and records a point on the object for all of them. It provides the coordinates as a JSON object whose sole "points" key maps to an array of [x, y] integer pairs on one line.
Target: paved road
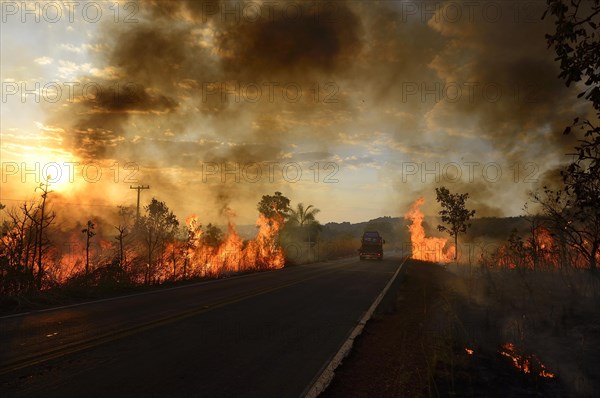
{"points": [[260, 335]]}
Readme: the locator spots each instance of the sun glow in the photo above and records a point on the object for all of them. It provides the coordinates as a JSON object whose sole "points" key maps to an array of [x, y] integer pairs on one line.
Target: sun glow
{"points": [[25, 172], [61, 177], [31, 157]]}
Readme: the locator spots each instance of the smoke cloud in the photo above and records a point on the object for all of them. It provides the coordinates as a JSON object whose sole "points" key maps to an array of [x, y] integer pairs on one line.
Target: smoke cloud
{"points": [[202, 82]]}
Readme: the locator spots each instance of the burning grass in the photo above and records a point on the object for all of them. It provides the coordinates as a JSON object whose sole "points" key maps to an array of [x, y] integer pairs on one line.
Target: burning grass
{"points": [[423, 247], [528, 364], [111, 270], [464, 332], [233, 254], [518, 332]]}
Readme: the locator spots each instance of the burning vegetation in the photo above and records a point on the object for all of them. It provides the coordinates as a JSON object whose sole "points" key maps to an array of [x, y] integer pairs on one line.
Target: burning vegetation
{"points": [[233, 254], [38, 251], [528, 364], [423, 247], [545, 241], [541, 248]]}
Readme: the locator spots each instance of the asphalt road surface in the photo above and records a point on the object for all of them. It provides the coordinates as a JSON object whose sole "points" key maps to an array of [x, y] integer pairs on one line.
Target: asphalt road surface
{"points": [[260, 335]]}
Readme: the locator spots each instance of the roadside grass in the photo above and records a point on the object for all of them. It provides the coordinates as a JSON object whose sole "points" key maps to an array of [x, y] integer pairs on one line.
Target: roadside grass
{"points": [[444, 331], [391, 357], [95, 286], [107, 282], [550, 319]]}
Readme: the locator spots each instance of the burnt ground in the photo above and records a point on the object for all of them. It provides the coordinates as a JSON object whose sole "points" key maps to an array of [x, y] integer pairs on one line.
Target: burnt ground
{"points": [[416, 343]]}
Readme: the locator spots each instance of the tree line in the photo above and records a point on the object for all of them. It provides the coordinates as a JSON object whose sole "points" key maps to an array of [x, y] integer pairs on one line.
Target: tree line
{"points": [[37, 254], [569, 216]]}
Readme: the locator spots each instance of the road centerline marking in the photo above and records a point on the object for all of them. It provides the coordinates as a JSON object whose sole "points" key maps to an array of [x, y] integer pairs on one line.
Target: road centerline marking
{"points": [[107, 337]]}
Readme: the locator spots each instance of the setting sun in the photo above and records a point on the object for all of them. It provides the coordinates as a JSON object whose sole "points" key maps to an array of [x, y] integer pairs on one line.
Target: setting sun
{"points": [[34, 168]]}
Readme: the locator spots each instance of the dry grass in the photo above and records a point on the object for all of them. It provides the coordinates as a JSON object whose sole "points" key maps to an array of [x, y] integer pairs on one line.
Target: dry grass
{"points": [[551, 317], [417, 346]]}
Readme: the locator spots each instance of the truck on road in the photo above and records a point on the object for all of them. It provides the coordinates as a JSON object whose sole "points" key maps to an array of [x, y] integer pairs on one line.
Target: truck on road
{"points": [[371, 246]]}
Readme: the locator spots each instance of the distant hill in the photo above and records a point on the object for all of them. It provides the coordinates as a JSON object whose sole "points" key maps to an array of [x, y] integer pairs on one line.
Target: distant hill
{"points": [[498, 228], [395, 229]]}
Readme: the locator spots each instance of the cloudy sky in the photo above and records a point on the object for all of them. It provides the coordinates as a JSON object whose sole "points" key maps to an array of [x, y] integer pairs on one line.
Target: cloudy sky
{"points": [[356, 107]]}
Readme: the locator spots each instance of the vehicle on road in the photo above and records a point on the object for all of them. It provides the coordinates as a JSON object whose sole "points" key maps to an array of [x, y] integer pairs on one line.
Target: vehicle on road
{"points": [[371, 246]]}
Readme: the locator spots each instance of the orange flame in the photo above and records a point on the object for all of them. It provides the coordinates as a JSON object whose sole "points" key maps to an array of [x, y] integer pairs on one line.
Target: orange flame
{"points": [[233, 254], [525, 363], [425, 248], [178, 258], [541, 250], [72, 256]]}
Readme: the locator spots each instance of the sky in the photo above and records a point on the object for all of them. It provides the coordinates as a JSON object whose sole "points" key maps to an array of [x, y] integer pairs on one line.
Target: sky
{"points": [[357, 107]]}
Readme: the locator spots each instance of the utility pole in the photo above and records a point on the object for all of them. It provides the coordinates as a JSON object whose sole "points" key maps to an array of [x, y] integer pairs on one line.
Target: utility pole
{"points": [[138, 188]]}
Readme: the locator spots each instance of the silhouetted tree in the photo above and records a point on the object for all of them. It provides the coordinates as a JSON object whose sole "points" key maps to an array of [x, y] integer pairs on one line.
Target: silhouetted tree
{"points": [[271, 205], [159, 224], [517, 250], [577, 45], [42, 223], [454, 214], [305, 218], [123, 230], [89, 234], [212, 236], [16, 250], [302, 221], [574, 224], [193, 230]]}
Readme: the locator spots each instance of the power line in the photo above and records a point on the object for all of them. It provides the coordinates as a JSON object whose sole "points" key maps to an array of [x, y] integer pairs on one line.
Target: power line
{"points": [[54, 202], [139, 188]]}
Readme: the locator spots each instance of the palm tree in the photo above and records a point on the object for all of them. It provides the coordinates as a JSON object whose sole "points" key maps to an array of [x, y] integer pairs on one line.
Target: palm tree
{"points": [[302, 217]]}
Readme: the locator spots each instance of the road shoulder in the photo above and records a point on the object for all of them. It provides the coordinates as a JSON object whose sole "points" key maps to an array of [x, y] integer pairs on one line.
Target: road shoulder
{"points": [[472, 333], [387, 359]]}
